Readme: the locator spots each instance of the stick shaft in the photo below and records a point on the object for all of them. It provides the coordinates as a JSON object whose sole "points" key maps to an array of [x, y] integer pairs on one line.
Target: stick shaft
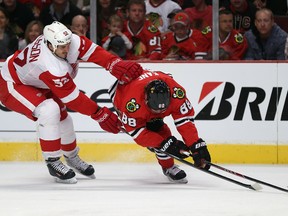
{"points": [[246, 177], [209, 172]]}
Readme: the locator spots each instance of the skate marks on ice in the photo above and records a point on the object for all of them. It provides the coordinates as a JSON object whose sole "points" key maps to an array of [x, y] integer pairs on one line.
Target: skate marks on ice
{"points": [[138, 189]]}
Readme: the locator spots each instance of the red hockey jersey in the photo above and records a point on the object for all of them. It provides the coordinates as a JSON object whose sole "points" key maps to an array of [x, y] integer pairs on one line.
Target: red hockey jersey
{"points": [[129, 102]]}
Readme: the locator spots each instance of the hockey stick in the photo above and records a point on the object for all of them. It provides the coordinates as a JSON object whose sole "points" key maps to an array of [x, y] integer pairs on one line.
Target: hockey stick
{"points": [[255, 186], [245, 177], [239, 174]]}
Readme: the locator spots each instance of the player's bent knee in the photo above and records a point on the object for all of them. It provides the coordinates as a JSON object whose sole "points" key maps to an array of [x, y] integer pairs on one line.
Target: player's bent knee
{"points": [[48, 112]]}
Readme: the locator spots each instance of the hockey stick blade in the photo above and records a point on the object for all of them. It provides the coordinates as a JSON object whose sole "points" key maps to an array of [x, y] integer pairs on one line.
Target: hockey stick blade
{"points": [[255, 187], [246, 177]]}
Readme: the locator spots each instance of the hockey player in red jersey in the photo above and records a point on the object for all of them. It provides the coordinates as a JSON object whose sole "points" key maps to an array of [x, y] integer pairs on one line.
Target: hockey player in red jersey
{"points": [[142, 105], [38, 83]]}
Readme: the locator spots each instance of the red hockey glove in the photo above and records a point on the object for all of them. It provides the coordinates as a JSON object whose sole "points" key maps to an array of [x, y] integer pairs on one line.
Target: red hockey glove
{"points": [[107, 120], [125, 71], [200, 154]]}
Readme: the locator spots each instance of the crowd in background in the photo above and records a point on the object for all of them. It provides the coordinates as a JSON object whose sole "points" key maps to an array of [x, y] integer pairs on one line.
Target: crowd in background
{"points": [[156, 29]]}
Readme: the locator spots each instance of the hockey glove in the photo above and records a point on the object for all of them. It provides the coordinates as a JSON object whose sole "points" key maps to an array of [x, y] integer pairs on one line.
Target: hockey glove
{"points": [[125, 71], [200, 154], [174, 147], [107, 120]]}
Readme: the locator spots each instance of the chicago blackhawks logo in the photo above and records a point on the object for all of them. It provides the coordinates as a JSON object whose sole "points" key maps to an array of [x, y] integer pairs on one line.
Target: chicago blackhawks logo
{"points": [[206, 30], [178, 93], [132, 106], [152, 29], [239, 38]]}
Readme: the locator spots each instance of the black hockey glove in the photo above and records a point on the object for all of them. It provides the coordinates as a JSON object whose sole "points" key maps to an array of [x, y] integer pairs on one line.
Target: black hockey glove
{"points": [[200, 154], [174, 146]]}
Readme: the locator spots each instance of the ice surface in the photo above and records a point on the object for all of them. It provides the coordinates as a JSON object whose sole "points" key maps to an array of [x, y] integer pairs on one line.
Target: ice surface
{"points": [[123, 189]]}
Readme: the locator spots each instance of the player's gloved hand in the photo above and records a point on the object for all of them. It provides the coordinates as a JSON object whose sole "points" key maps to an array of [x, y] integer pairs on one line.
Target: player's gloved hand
{"points": [[125, 71], [174, 147], [200, 154], [107, 120]]}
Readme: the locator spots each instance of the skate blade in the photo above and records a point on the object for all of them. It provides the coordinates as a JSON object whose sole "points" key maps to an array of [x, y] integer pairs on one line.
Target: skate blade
{"points": [[91, 176], [66, 181], [180, 181]]}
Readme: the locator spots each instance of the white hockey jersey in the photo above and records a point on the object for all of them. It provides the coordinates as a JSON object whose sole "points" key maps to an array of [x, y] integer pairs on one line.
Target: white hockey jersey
{"points": [[162, 11], [37, 66]]}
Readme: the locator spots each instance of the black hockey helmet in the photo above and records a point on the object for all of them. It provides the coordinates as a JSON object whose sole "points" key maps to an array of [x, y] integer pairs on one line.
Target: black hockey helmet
{"points": [[157, 95]]}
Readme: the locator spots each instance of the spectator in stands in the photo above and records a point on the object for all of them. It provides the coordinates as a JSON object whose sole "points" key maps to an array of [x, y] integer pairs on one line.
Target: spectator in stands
{"points": [[183, 43], [267, 41], [19, 16], [8, 39], [145, 37], [243, 14], [105, 9], [200, 15], [59, 10], [36, 6], [278, 7], [232, 44], [116, 42], [33, 30], [84, 5], [170, 16], [79, 25], [157, 12]]}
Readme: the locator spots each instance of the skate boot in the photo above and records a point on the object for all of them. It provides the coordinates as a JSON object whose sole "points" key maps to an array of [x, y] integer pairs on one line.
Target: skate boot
{"points": [[80, 166], [176, 175], [60, 171]]}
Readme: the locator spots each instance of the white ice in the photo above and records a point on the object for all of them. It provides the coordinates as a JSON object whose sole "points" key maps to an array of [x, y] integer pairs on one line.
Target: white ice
{"points": [[123, 189]]}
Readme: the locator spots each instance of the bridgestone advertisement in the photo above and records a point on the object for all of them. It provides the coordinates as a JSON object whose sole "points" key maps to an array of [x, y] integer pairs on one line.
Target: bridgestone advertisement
{"points": [[239, 103]]}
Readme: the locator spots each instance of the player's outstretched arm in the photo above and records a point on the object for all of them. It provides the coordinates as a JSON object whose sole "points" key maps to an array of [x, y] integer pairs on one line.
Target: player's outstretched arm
{"points": [[107, 120]]}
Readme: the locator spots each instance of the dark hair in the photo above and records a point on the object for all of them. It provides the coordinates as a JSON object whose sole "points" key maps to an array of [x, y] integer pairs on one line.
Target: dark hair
{"points": [[137, 2], [5, 12], [225, 11]]}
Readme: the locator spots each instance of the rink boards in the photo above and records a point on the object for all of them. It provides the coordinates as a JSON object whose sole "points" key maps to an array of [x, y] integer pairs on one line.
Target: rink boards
{"points": [[241, 110]]}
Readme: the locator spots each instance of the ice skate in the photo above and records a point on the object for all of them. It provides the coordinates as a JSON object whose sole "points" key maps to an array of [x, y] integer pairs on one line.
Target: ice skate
{"points": [[60, 171], [176, 175], [80, 166]]}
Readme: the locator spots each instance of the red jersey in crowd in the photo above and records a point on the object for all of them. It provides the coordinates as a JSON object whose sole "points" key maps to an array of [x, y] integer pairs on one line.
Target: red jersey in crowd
{"points": [[191, 47], [146, 42]]}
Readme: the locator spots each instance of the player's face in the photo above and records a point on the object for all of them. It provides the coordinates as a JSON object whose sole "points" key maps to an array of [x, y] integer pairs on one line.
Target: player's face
{"points": [[225, 23], [264, 23], [136, 13], [180, 30], [62, 50]]}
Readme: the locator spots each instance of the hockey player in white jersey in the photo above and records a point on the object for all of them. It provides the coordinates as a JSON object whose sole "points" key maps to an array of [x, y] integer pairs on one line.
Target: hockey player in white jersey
{"points": [[38, 83]]}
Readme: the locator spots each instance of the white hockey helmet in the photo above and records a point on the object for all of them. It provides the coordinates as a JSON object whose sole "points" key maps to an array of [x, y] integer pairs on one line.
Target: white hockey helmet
{"points": [[57, 34]]}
